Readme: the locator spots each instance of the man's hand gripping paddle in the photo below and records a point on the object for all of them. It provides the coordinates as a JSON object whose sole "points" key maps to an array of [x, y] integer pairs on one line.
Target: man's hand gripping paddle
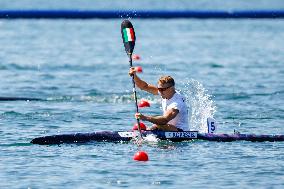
{"points": [[128, 38]]}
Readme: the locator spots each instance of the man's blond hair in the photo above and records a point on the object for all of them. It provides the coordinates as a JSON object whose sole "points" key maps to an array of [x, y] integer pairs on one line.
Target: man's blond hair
{"points": [[166, 80]]}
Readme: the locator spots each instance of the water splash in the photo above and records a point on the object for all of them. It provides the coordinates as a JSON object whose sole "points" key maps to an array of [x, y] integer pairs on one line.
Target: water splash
{"points": [[151, 138], [200, 104]]}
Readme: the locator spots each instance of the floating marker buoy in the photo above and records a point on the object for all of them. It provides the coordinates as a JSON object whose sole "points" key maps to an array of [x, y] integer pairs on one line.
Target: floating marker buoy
{"points": [[142, 126], [135, 57], [143, 103], [141, 156], [138, 69]]}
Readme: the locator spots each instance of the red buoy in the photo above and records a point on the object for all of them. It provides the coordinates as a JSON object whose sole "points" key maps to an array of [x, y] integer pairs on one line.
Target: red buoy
{"points": [[135, 57], [138, 69], [143, 103], [141, 156], [142, 126]]}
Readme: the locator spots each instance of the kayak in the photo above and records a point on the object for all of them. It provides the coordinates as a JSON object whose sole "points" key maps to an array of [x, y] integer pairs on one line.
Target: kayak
{"points": [[113, 136], [175, 136], [19, 99]]}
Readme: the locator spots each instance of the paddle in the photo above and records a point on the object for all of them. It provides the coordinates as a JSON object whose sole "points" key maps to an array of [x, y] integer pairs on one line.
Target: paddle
{"points": [[128, 38]]}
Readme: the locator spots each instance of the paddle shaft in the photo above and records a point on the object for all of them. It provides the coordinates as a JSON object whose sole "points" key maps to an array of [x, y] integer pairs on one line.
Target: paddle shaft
{"points": [[135, 95]]}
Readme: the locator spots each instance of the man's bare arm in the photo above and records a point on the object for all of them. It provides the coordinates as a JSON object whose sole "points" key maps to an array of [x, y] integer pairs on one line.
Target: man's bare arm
{"points": [[160, 120], [142, 84]]}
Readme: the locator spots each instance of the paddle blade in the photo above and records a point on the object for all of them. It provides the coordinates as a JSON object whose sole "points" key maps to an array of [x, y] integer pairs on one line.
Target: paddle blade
{"points": [[128, 36]]}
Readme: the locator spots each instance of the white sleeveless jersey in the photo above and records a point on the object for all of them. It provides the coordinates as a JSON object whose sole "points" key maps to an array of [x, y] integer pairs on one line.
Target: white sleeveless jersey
{"points": [[177, 102]]}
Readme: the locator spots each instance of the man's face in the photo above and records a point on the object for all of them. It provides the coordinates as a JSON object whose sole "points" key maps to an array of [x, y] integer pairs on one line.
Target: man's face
{"points": [[164, 89]]}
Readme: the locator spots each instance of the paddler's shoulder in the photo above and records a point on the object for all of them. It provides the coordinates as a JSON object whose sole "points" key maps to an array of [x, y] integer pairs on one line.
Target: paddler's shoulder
{"points": [[178, 95]]}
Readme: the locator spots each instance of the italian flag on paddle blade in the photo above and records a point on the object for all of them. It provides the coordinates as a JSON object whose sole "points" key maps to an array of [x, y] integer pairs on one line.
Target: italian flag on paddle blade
{"points": [[128, 34]]}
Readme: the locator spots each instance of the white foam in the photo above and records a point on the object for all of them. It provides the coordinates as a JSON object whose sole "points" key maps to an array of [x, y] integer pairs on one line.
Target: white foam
{"points": [[201, 106], [151, 138]]}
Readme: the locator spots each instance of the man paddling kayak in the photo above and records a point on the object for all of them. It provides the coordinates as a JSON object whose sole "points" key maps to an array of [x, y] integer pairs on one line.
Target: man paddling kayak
{"points": [[175, 114]]}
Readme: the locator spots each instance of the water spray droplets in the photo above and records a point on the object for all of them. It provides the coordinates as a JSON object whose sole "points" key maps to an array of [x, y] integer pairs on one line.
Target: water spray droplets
{"points": [[200, 104]]}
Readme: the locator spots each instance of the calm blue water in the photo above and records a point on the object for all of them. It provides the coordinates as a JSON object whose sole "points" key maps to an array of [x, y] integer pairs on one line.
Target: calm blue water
{"points": [[230, 68]]}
